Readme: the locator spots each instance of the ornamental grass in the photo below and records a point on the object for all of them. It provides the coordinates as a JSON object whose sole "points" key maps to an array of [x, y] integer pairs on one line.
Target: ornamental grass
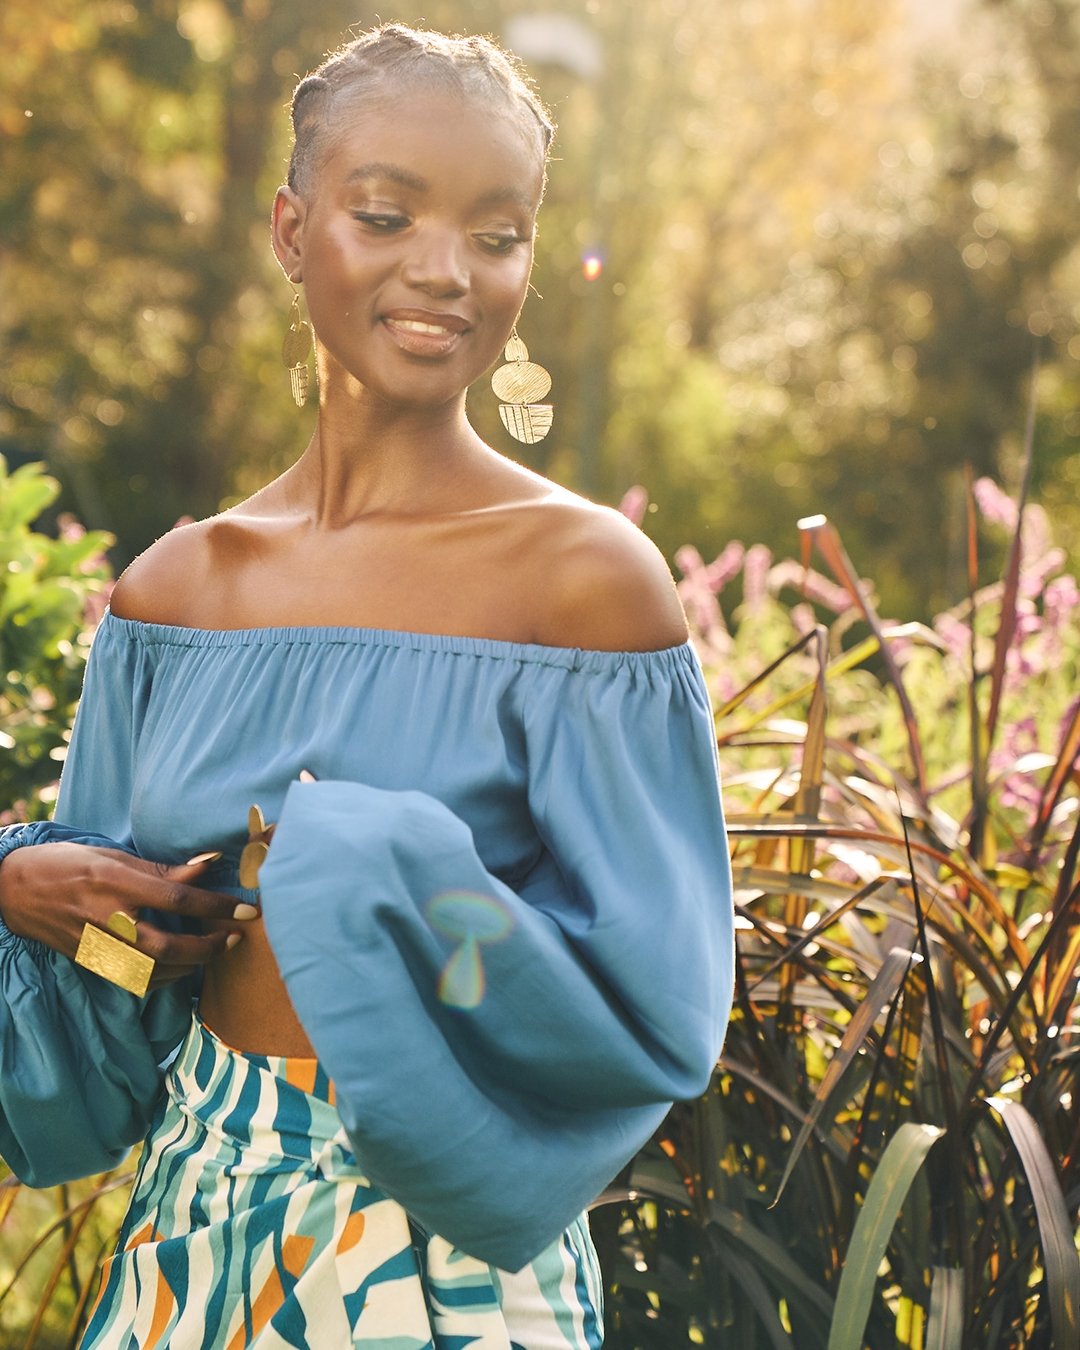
{"points": [[889, 1154]]}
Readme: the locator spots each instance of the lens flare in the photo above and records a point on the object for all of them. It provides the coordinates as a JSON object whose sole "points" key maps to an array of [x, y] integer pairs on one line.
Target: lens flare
{"points": [[470, 919], [591, 266]]}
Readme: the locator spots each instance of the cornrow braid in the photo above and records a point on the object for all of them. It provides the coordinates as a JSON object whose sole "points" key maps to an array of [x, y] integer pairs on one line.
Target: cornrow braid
{"points": [[370, 63]]}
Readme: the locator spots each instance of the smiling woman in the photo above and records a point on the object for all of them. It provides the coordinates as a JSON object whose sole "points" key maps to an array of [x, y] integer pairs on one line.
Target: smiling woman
{"points": [[443, 192], [416, 1024], [417, 243]]}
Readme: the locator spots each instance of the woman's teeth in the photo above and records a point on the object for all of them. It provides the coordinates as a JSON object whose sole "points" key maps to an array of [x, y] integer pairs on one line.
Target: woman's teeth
{"points": [[415, 326]]}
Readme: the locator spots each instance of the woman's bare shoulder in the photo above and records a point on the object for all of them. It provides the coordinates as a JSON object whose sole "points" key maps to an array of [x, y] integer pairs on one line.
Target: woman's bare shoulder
{"points": [[606, 586], [160, 585]]}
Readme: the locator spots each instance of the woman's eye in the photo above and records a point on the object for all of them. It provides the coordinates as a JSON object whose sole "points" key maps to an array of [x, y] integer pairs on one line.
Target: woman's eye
{"points": [[499, 243], [380, 220]]}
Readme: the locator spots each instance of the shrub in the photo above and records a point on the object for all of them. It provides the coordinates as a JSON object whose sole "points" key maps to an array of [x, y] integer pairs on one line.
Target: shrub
{"points": [[52, 591]]}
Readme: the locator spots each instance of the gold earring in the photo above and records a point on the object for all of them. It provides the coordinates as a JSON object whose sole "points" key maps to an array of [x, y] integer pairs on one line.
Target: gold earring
{"points": [[295, 351], [518, 385]]}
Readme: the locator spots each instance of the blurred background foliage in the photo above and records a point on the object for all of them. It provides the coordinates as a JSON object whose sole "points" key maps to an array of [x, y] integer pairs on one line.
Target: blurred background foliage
{"points": [[52, 592], [828, 237]]}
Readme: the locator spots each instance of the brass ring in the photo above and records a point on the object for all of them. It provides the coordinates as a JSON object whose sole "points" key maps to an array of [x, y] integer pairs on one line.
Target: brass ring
{"points": [[110, 952]]}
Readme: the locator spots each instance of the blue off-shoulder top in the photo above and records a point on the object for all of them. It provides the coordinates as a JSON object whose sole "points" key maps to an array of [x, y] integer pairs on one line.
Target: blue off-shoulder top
{"points": [[502, 912]]}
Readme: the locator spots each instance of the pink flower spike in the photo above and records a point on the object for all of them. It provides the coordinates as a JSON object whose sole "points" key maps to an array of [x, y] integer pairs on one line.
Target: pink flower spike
{"points": [[996, 506], [634, 503], [725, 565]]}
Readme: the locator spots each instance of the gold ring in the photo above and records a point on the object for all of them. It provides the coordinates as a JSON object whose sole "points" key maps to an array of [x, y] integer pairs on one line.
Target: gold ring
{"points": [[110, 952]]}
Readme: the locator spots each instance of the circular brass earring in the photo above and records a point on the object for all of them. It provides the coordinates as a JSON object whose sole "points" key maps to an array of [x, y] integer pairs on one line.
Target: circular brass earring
{"points": [[518, 385], [296, 351]]}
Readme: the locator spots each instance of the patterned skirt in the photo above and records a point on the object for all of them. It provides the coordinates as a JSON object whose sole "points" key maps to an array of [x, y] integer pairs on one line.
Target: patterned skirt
{"points": [[250, 1224]]}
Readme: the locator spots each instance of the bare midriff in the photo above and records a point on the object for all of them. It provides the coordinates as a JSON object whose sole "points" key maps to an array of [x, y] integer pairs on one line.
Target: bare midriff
{"points": [[245, 1003]]}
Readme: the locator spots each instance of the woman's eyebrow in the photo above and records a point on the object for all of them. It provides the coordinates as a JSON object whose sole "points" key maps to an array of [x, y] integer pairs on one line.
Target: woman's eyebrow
{"points": [[392, 171], [508, 194], [396, 174]]}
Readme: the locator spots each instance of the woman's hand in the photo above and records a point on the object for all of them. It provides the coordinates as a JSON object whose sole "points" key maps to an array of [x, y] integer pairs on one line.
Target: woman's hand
{"points": [[49, 891]]}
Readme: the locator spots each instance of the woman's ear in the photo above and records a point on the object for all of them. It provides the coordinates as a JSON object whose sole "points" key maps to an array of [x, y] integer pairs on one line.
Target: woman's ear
{"points": [[287, 230]]}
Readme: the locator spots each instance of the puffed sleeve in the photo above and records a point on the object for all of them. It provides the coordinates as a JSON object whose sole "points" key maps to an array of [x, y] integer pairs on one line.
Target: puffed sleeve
{"points": [[499, 1054], [79, 1057]]}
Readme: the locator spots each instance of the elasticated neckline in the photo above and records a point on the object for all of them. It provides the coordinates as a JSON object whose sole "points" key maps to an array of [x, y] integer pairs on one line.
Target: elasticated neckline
{"points": [[528, 653]]}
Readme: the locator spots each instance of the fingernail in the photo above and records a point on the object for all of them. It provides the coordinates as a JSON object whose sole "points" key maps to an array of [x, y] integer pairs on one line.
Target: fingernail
{"points": [[231, 941], [202, 858], [243, 911]]}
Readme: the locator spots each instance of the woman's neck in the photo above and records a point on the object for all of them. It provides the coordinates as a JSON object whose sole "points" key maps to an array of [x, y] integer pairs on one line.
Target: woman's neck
{"points": [[365, 458]]}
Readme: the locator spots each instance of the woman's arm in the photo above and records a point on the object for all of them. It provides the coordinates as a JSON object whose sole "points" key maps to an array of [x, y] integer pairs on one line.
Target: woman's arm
{"points": [[79, 1056]]}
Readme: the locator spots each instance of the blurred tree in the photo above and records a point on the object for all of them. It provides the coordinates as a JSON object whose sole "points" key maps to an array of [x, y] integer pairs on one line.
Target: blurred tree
{"points": [[139, 142], [724, 149], [983, 270], [833, 266], [898, 346]]}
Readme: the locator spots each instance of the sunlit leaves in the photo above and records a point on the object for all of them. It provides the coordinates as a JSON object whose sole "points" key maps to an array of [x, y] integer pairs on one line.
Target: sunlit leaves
{"points": [[49, 590]]}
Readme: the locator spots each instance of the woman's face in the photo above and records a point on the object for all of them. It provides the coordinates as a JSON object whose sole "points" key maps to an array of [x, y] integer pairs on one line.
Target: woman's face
{"points": [[415, 242]]}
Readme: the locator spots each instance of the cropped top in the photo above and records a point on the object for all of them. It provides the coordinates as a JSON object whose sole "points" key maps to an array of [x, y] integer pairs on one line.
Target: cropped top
{"points": [[502, 912]]}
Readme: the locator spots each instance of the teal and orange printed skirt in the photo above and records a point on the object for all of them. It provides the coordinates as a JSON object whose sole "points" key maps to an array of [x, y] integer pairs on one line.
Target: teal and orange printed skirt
{"points": [[250, 1224]]}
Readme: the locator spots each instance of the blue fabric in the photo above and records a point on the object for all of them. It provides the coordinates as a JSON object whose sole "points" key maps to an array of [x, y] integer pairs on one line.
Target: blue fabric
{"points": [[503, 913], [79, 1057]]}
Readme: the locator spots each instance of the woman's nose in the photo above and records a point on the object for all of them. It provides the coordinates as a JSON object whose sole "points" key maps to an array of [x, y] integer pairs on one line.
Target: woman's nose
{"points": [[437, 264]]}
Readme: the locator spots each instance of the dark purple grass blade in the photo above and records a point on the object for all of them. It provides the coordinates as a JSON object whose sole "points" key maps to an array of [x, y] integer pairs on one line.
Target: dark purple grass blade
{"points": [[1053, 933], [1060, 1261], [1007, 625], [832, 550], [979, 795], [954, 1212], [882, 991], [1055, 785]]}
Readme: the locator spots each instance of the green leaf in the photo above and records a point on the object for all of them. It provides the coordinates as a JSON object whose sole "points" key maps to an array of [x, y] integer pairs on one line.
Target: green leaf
{"points": [[945, 1325], [67, 557], [896, 1171], [1055, 1228], [27, 492]]}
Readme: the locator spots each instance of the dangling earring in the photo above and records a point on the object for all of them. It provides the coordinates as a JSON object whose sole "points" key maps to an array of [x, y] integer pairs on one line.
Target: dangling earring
{"points": [[518, 385], [295, 351]]}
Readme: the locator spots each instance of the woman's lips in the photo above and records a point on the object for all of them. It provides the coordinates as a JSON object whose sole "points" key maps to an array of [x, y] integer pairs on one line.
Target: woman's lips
{"points": [[425, 335]]}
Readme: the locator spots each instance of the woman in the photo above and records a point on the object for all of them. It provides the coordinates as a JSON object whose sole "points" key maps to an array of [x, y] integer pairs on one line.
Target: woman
{"points": [[491, 937]]}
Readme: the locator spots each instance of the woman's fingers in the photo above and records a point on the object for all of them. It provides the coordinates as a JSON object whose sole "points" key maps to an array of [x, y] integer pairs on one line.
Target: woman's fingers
{"points": [[51, 891], [167, 890], [136, 884]]}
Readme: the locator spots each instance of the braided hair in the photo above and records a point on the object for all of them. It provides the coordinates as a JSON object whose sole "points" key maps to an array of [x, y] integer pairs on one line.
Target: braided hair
{"points": [[379, 60]]}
